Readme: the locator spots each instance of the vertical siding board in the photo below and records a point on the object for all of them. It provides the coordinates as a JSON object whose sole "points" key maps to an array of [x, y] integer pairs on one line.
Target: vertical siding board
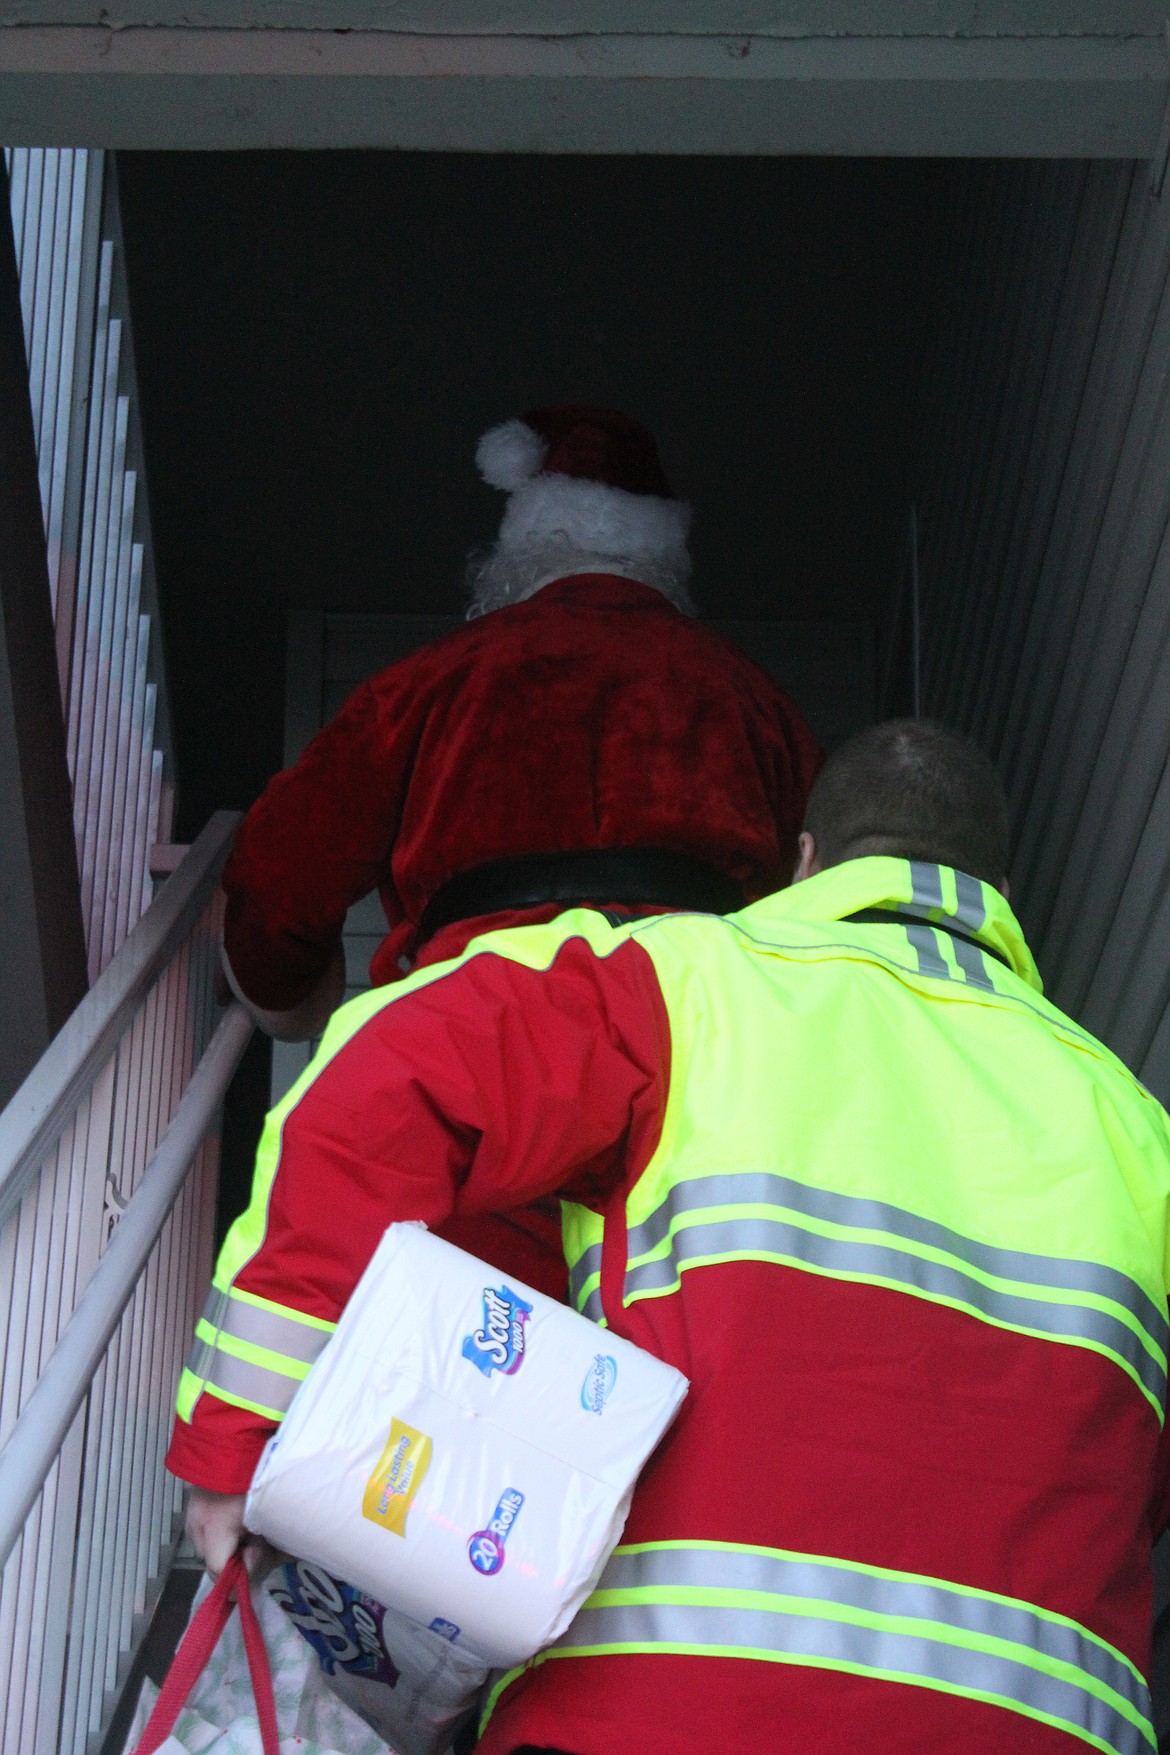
{"points": [[16, 160], [1131, 982], [1155, 1068], [1005, 341], [1077, 326], [1025, 361], [103, 678], [133, 852], [993, 290], [1098, 636], [46, 361], [89, 632], [958, 391], [103, 827], [54, 455], [30, 241], [1039, 596], [1098, 660], [1114, 384], [1049, 638], [1134, 748], [89, 516]]}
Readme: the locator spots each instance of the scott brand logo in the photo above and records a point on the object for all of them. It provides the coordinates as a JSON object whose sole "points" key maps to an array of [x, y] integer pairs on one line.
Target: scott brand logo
{"points": [[499, 1344]]}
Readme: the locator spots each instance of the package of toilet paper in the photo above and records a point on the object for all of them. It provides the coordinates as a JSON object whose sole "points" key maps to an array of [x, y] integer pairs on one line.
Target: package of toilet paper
{"points": [[410, 1684], [463, 1451]]}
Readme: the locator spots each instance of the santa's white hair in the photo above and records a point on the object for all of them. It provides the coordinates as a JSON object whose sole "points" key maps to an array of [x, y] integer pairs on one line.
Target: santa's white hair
{"points": [[503, 573]]}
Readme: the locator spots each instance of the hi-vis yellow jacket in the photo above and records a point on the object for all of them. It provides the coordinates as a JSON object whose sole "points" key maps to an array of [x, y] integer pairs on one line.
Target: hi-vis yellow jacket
{"points": [[902, 1224]]}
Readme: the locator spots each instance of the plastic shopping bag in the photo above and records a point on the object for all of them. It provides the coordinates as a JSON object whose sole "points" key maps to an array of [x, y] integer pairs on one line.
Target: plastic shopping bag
{"points": [[250, 1686], [408, 1683], [464, 1450]]}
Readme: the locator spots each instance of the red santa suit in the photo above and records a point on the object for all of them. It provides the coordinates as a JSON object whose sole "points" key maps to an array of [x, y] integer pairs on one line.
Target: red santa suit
{"points": [[592, 715]]}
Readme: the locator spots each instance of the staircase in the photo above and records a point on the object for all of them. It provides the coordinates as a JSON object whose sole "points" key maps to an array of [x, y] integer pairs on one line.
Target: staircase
{"points": [[108, 1171]]}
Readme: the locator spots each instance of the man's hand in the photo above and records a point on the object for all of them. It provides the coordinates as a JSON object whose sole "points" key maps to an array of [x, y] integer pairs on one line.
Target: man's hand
{"points": [[215, 1525]]}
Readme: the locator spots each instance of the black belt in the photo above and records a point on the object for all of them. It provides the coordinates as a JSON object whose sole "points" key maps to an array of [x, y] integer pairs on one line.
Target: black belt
{"points": [[890, 916], [632, 876]]}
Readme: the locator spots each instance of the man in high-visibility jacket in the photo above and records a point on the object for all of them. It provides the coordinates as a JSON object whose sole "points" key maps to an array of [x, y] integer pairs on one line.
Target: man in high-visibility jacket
{"points": [[902, 1224]]}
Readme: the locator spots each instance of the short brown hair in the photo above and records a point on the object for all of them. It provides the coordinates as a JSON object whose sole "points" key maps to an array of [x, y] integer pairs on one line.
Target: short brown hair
{"points": [[914, 790]]}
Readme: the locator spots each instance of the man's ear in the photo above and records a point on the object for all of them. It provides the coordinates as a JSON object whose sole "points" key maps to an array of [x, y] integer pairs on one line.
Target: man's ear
{"points": [[1005, 890], [807, 865]]}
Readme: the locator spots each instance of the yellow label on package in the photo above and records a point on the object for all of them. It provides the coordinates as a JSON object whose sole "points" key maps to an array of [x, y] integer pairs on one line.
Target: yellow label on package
{"points": [[401, 1470]]}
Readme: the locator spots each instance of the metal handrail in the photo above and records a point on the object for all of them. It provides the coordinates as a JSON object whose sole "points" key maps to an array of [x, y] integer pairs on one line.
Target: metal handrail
{"points": [[64, 1383], [41, 1109]]}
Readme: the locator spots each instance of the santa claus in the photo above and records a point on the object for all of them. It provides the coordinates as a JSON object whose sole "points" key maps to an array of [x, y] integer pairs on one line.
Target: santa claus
{"points": [[583, 740]]}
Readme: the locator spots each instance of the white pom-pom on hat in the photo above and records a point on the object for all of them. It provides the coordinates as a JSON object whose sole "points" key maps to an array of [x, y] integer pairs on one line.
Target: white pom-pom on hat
{"points": [[509, 455]]}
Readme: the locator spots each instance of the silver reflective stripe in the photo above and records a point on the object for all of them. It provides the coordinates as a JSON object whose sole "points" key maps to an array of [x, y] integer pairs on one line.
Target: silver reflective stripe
{"points": [[876, 1593], [760, 1238], [752, 1234], [200, 1357], [592, 1307], [583, 1270], [254, 1384], [925, 944], [971, 912], [972, 962], [926, 885], [765, 1188], [857, 1618], [265, 1328], [894, 1656]]}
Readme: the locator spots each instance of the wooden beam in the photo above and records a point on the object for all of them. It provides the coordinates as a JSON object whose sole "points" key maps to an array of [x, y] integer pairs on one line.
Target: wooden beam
{"points": [[1043, 95]]}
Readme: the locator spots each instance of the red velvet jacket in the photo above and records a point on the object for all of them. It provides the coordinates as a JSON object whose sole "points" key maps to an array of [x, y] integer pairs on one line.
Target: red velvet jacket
{"points": [[592, 715]]}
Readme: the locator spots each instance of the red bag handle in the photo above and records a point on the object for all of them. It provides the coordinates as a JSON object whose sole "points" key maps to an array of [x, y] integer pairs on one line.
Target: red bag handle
{"points": [[195, 1649]]}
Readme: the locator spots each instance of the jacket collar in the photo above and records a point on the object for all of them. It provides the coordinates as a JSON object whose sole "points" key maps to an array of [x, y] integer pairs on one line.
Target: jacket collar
{"points": [[936, 894]]}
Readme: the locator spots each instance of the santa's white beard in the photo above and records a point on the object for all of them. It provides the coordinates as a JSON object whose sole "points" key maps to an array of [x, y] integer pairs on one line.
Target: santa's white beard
{"points": [[497, 576]]}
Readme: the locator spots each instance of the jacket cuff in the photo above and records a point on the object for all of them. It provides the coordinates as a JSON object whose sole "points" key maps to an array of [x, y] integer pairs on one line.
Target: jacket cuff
{"points": [[219, 1448], [306, 1019], [276, 970]]}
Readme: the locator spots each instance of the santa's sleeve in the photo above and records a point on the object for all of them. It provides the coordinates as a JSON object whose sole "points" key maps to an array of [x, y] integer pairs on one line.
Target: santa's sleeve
{"points": [[317, 840], [472, 1087]]}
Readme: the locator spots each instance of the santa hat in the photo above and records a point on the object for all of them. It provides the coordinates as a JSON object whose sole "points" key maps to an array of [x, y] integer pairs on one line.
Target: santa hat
{"points": [[590, 477]]}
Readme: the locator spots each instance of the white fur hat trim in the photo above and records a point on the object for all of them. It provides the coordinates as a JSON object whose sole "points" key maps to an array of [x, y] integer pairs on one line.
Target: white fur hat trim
{"points": [[595, 518], [510, 454]]}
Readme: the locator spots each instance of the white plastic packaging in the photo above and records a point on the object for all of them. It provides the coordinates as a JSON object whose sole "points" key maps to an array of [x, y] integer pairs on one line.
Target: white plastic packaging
{"points": [[409, 1683], [464, 1450]]}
